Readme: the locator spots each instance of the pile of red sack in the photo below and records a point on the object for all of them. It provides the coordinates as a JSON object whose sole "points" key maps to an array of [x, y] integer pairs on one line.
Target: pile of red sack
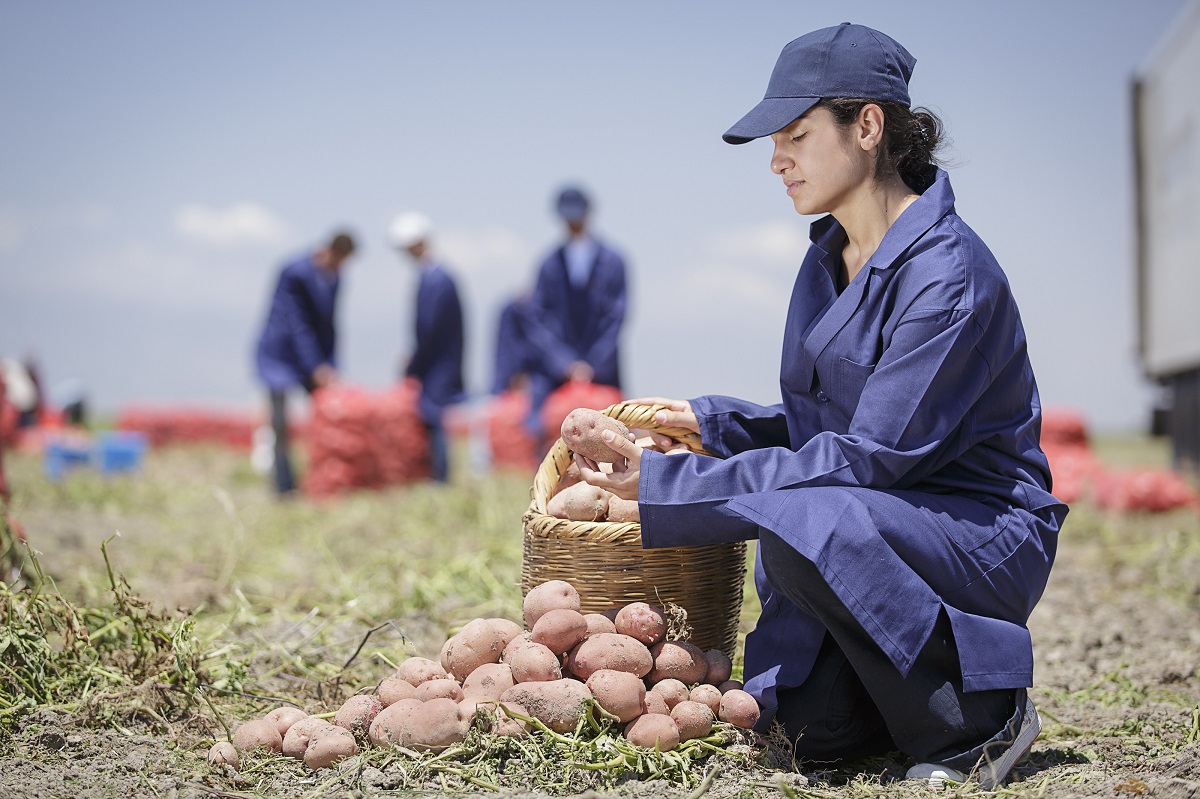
{"points": [[569, 396], [512, 445], [189, 425], [361, 439]]}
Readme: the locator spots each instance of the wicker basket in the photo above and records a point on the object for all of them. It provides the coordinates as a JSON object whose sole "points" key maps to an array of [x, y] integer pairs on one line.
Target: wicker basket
{"points": [[606, 563]]}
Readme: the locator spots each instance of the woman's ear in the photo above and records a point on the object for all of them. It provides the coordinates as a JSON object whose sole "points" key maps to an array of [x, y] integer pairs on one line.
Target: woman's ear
{"points": [[870, 126]]}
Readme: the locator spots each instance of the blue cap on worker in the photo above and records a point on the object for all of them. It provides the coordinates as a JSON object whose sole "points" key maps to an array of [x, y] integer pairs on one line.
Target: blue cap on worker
{"points": [[572, 204], [843, 61]]}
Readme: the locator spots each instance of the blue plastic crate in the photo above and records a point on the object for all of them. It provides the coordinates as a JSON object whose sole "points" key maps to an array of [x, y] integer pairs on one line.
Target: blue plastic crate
{"points": [[62, 454], [120, 451]]}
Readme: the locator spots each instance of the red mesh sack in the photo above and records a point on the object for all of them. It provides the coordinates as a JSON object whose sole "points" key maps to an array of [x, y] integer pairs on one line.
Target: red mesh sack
{"points": [[509, 439], [1146, 489], [1074, 469], [569, 396], [1063, 427]]}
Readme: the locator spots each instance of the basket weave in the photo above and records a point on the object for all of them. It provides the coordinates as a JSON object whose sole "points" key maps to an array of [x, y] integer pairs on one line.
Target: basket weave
{"points": [[607, 565]]}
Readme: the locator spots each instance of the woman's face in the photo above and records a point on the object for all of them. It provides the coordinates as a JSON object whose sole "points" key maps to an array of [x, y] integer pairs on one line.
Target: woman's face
{"points": [[822, 163]]}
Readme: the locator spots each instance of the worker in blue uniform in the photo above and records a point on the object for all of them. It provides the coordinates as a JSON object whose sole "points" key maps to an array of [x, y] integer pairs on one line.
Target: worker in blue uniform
{"points": [[898, 493], [511, 364], [577, 308], [298, 342], [437, 355]]}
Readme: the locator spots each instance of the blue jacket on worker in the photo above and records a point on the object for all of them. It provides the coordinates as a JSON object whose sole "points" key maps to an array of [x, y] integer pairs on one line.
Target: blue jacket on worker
{"points": [[512, 356], [299, 334], [903, 461], [437, 358]]}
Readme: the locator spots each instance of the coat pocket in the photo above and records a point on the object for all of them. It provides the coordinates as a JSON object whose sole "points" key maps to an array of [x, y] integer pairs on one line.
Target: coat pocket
{"points": [[849, 380]]}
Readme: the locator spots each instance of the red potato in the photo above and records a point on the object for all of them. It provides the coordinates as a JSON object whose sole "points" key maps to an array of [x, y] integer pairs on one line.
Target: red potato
{"points": [[719, 666], [299, 735], [356, 714], [623, 510], [535, 663], [435, 725], [284, 717], [679, 659], [392, 689], [556, 703], [581, 502], [642, 621], [610, 651], [653, 702], [599, 623], [487, 682], [739, 709], [672, 691], [328, 746], [548, 596], [417, 670], [582, 432], [708, 695], [653, 731], [223, 753], [694, 719], [256, 734], [438, 689], [506, 629], [385, 729], [477, 643], [569, 478], [490, 713], [730, 685], [618, 692], [559, 630]]}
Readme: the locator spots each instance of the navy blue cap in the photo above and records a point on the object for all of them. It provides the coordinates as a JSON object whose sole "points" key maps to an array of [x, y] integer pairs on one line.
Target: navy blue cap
{"points": [[842, 61], [572, 204]]}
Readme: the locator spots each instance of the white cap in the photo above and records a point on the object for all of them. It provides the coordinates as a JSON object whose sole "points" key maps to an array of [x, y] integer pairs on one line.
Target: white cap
{"points": [[409, 228]]}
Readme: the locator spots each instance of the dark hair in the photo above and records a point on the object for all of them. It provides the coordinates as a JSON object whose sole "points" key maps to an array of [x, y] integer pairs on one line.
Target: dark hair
{"points": [[910, 137], [341, 244]]}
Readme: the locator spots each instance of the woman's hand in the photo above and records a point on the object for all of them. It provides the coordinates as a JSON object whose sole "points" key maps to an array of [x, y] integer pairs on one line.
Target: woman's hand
{"points": [[679, 413], [623, 482]]}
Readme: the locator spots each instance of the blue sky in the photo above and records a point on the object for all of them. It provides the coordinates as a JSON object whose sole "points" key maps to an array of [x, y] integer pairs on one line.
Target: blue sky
{"points": [[159, 161]]}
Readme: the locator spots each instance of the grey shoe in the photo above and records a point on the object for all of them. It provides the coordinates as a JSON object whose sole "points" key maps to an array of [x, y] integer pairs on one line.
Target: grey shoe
{"points": [[996, 762]]}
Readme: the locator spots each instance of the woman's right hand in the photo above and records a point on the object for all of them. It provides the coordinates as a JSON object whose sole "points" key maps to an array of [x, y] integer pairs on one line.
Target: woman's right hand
{"points": [[679, 413]]}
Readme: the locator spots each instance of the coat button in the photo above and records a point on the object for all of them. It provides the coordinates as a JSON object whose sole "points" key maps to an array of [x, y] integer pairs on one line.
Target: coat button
{"points": [[822, 396]]}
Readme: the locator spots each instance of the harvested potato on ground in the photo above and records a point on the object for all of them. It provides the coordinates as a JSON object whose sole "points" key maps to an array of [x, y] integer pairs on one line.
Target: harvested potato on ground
{"points": [[694, 719], [447, 688], [487, 682], [653, 702], [559, 630], [506, 629], [679, 659], [299, 735], [582, 432], [356, 714], [719, 666], [385, 729], [258, 733], [392, 689], [493, 717], [284, 717], [707, 694], [417, 670], [223, 753], [328, 746], [672, 690], [535, 663], [599, 623], [477, 643], [548, 596], [642, 621], [581, 502], [739, 709], [730, 685], [555, 703], [623, 510], [653, 730], [618, 692], [610, 651], [435, 725]]}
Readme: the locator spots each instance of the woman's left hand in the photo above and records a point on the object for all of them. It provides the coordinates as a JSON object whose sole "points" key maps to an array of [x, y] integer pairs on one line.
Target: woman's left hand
{"points": [[623, 481]]}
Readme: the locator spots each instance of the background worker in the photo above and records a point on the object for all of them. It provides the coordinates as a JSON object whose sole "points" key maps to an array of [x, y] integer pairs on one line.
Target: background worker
{"points": [[298, 342], [437, 356], [510, 366], [577, 309]]}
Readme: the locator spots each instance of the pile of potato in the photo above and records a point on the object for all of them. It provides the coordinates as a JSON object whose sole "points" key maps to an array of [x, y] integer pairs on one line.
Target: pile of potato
{"points": [[500, 675]]}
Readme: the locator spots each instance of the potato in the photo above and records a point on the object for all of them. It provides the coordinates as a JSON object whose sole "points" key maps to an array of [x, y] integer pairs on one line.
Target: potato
{"points": [[739, 709], [582, 432], [222, 753], [392, 689], [329, 745], [708, 695], [653, 702], [417, 670], [559, 630], [618, 692], [569, 477], [385, 729], [285, 717], [694, 719], [642, 621], [299, 735], [256, 734], [719, 666], [447, 688], [679, 659], [730, 685], [477, 643], [494, 718], [548, 596], [356, 714], [623, 510], [434, 725], [581, 502], [653, 730], [599, 623], [535, 663], [487, 682], [555, 703], [672, 691], [610, 651], [506, 629]]}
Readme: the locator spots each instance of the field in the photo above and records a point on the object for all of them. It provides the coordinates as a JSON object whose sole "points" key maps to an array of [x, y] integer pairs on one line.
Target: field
{"points": [[184, 599]]}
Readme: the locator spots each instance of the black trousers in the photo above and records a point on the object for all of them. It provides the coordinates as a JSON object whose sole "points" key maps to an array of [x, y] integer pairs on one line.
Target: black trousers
{"points": [[285, 481], [855, 703]]}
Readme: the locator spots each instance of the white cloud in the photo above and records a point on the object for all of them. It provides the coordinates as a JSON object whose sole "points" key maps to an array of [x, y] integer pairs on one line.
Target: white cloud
{"points": [[11, 229], [773, 243], [240, 223]]}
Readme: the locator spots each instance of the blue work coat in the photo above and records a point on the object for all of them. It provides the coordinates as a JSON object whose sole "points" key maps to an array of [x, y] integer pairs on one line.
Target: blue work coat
{"points": [[437, 359], [512, 348], [904, 460], [299, 333], [569, 323]]}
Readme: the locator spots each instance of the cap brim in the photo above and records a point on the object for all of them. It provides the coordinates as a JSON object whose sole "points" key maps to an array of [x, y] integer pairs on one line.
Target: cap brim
{"points": [[770, 115]]}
